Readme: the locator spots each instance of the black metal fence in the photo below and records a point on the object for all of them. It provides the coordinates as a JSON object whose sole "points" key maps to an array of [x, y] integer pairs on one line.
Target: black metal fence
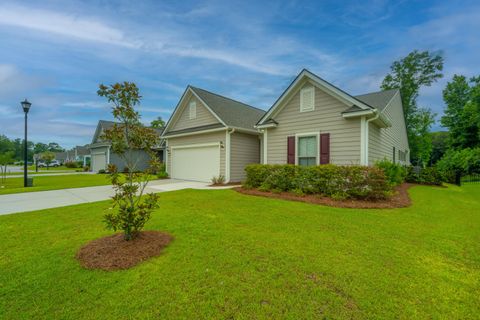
{"points": [[471, 178]]}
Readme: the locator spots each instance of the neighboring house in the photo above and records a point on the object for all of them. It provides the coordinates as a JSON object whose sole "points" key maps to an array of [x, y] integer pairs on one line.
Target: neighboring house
{"points": [[312, 122], [210, 135], [102, 155], [78, 153]]}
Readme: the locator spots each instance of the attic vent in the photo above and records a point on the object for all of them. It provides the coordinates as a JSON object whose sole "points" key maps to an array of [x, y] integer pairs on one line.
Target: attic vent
{"points": [[192, 110], [307, 100]]}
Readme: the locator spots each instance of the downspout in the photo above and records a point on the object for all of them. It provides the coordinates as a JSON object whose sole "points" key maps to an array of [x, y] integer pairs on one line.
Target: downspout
{"points": [[367, 124], [228, 154]]}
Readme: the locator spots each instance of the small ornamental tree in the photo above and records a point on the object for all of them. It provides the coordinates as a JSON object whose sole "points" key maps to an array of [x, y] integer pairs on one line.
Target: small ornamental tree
{"points": [[131, 208], [5, 159], [47, 157]]}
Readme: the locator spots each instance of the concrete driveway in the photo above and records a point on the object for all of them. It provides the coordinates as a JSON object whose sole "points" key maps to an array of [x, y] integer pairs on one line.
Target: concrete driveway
{"points": [[29, 201]]}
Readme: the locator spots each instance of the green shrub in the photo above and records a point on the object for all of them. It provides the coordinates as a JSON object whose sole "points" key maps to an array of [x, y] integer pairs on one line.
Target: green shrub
{"points": [[218, 180], [394, 172], [102, 171], [465, 162], [257, 174], [429, 175], [162, 175], [340, 182], [71, 164]]}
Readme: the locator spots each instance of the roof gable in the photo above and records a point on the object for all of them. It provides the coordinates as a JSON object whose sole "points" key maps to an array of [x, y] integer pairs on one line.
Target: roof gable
{"points": [[329, 88], [233, 113]]}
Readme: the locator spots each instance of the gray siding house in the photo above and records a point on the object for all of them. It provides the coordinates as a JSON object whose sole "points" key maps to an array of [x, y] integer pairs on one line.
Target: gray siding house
{"points": [[209, 135], [102, 155], [311, 123]]}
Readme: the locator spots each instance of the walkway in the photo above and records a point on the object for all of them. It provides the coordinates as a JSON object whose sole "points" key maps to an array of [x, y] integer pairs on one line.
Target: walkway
{"points": [[29, 201]]}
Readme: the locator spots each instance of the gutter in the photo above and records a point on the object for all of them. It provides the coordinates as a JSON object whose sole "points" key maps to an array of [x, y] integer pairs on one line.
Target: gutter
{"points": [[367, 137], [228, 154]]}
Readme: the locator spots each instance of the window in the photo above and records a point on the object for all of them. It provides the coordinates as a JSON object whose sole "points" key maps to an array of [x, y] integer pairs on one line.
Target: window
{"points": [[307, 99], [307, 151], [192, 110]]}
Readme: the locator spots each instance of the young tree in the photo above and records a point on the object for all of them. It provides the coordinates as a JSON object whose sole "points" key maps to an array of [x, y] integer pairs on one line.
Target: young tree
{"points": [[131, 208], [6, 158], [409, 74], [47, 157], [158, 123], [462, 100]]}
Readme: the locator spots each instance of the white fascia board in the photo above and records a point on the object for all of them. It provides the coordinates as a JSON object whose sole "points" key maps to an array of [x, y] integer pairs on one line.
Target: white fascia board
{"points": [[268, 125], [194, 133], [358, 113]]}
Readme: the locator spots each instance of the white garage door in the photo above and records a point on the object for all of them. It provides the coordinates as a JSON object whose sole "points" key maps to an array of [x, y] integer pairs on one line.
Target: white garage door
{"points": [[200, 163], [99, 161]]}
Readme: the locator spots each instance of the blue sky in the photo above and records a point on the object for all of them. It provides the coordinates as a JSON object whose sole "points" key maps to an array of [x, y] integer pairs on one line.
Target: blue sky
{"points": [[56, 53]]}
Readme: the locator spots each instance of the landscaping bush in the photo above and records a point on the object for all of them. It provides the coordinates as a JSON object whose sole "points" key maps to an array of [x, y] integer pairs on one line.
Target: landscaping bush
{"points": [[340, 182], [257, 174], [218, 180], [429, 175], [162, 171], [71, 164], [394, 172], [102, 171], [465, 162]]}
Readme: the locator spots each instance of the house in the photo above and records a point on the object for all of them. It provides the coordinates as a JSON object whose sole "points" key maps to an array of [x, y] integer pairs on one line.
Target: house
{"points": [[102, 155], [210, 135], [76, 154], [312, 122]]}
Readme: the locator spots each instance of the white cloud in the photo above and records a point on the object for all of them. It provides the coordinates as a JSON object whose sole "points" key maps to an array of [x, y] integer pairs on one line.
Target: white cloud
{"points": [[86, 105], [69, 25]]}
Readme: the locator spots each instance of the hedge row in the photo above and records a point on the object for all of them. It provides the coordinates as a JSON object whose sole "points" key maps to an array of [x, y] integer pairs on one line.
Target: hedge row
{"points": [[339, 182]]}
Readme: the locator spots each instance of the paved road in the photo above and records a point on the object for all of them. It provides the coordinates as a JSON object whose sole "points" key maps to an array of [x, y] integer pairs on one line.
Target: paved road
{"points": [[29, 201]]}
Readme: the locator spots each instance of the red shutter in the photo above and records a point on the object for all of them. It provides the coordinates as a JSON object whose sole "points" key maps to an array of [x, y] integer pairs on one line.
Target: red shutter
{"points": [[291, 150], [325, 148]]}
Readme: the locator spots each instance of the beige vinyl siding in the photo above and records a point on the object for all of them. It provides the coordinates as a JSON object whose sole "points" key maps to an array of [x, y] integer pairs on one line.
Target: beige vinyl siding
{"points": [[382, 140], [198, 139], [204, 116], [325, 118], [244, 150]]}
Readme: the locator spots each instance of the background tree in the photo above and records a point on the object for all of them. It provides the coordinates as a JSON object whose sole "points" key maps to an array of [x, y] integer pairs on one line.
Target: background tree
{"points": [[158, 123], [439, 145], [131, 209], [55, 147], [461, 115], [40, 147], [47, 157], [409, 75]]}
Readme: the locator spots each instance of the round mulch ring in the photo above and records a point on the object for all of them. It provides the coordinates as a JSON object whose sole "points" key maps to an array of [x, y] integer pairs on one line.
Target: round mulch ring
{"points": [[114, 253]]}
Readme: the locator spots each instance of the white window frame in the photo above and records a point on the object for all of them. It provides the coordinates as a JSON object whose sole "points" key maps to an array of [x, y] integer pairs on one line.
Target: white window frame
{"points": [[192, 110], [308, 134], [308, 88]]}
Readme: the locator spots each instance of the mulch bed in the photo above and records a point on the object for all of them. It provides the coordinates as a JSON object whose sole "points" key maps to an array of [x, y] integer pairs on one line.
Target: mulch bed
{"points": [[114, 253], [400, 199]]}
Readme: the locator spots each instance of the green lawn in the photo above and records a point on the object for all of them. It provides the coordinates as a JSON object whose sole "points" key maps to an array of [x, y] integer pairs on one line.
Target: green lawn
{"points": [[15, 185], [242, 257]]}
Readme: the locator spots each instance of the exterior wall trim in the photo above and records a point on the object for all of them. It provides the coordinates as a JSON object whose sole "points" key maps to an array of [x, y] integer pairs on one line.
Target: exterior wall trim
{"points": [[307, 134]]}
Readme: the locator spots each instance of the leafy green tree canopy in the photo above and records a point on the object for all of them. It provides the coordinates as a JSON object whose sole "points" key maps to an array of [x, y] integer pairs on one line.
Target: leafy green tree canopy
{"points": [[409, 75], [158, 123]]}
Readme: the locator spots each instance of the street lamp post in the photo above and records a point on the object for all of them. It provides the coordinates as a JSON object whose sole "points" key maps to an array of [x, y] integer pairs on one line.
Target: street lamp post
{"points": [[26, 106]]}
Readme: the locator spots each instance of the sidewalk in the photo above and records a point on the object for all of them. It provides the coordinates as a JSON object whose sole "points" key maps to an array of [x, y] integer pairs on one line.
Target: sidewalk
{"points": [[30, 201]]}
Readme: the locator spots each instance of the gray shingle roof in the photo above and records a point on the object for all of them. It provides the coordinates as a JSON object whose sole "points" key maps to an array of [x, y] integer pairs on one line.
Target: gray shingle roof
{"points": [[378, 99], [232, 112]]}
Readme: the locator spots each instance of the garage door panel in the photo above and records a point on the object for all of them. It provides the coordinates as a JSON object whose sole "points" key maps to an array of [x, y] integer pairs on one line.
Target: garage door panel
{"points": [[200, 163], [98, 161]]}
